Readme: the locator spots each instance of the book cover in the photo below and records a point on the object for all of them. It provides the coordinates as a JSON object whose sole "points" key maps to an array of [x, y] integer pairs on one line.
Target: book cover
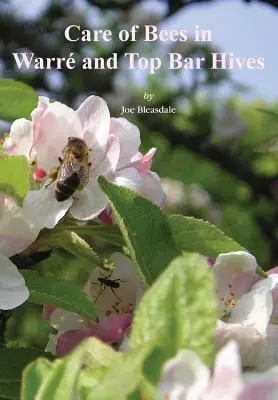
{"points": [[138, 199]]}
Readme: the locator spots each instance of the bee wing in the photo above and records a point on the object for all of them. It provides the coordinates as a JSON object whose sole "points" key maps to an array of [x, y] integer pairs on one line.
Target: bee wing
{"points": [[68, 167], [84, 172]]}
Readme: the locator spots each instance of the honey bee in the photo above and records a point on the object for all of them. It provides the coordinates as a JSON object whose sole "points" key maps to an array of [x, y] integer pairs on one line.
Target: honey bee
{"points": [[73, 172]]}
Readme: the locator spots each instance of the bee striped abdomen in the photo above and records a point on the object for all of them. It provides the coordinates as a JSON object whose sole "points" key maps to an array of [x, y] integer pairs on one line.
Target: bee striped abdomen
{"points": [[66, 188]]}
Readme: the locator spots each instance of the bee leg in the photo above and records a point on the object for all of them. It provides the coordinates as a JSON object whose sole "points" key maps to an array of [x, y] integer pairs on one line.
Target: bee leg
{"points": [[52, 175], [115, 294]]}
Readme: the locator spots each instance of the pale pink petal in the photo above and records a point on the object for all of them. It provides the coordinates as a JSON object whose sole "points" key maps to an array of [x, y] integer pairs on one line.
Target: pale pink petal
{"points": [[129, 137], [272, 271], [42, 208], [274, 290], [20, 139], [130, 178], [63, 320], [94, 116], [226, 382], [67, 341], [111, 329], [89, 203], [57, 124], [255, 308], [36, 114], [253, 347], [143, 163], [16, 231], [184, 377], [151, 188], [272, 341], [235, 273], [260, 391], [13, 291], [261, 386], [107, 166]]}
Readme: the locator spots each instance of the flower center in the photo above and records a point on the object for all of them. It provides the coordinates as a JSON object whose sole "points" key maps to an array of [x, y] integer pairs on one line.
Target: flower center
{"points": [[229, 302]]}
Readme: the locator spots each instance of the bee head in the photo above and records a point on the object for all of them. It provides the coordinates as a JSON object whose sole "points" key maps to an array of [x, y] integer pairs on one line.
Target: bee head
{"points": [[77, 146]]}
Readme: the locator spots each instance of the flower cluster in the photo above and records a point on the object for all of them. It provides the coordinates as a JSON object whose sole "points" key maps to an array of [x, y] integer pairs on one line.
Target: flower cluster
{"points": [[114, 153], [186, 377], [246, 335]]}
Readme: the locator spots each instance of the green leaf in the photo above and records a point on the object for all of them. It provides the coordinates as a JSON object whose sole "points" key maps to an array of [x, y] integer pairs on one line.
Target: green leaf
{"points": [[270, 113], [58, 293], [145, 229], [195, 235], [109, 233], [69, 241], [17, 100], [178, 311], [34, 375], [117, 381], [63, 265], [27, 327], [13, 361], [14, 177], [59, 382], [10, 390]]}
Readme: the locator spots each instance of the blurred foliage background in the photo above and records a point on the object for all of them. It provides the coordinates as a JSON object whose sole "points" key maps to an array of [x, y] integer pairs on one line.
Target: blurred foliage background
{"points": [[213, 156]]}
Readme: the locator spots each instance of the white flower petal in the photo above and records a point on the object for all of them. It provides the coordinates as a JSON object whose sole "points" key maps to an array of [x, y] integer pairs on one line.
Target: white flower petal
{"points": [[151, 188], [94, 117], [234, 262], [20, 139], [13, 291], [130, 178], [267, 376], [16, 232], [56, 124], [107, 166], [42, 208], [235, 273], [226, 382], [89, 202], [261, 386], [129, 136], [272, 342], [254, 349], [52, 343], [66, 321], [124, 298], [254, 309], [184, 377]]}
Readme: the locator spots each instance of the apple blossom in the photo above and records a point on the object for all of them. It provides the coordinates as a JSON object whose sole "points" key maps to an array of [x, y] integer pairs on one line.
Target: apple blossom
{"points": [[246, 308], [114, 143], [114, 308], [16, 234], [185, 377]]}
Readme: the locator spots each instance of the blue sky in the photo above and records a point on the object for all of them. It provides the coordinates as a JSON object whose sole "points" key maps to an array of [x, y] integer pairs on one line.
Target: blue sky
{"points": [[246, 30]]}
